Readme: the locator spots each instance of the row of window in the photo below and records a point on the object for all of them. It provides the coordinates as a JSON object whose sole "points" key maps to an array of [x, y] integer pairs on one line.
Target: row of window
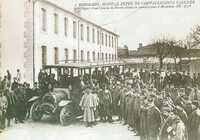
{"points": [[98, 37], [100, 56]]}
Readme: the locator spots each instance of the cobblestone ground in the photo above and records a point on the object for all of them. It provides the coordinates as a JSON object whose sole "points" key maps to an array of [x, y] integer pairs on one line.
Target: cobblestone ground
{"points": [[48, 130]]}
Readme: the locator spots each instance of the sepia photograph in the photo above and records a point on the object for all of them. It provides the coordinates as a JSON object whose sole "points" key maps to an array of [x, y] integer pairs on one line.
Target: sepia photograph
{"points": [[99, 70]]}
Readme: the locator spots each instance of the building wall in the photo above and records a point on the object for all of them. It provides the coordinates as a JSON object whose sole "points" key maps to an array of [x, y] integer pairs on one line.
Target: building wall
{"points": [[17, 44], [51, 40], [28, 40], [12, 36], [0, 37]]}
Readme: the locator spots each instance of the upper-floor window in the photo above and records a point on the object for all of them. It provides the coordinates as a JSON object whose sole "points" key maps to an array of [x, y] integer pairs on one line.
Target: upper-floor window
{"points": [[88, 33], [112, 41], [82, 32], [109, 41], [93, 35], [98, 37], [116, 42], [102, 38], [106, 39], [74, 29], [44, 19], [65, 26], [56, 23]]}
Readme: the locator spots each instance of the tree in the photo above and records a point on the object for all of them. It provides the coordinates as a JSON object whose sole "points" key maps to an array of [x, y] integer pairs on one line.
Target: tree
{"points": [[177, 51], [162, 48], [195, 36]]}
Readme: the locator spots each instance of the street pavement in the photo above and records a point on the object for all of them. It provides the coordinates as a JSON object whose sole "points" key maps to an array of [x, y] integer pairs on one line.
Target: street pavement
{"points": [[51, 130]]}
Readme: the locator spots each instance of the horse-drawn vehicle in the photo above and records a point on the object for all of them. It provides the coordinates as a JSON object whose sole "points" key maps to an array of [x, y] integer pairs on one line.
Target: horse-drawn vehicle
{"points": [[63, 102]]}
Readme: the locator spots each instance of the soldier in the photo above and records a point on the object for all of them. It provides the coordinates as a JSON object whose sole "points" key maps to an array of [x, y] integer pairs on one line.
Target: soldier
{"points": [[173, 128], [107, 104], [129, 107], [101, 108], [36, 90], [143, 119], [96, 101], [153, 119], [136, 110], [3, 108], [194, 124], [19, 76], [14, 85], [9, 77], [115, 96], [122, 102], [20, 105], [43, 81]]}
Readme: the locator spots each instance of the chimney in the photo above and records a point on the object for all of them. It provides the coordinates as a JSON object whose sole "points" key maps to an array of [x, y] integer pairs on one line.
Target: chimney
{"points": [[140, 45]]}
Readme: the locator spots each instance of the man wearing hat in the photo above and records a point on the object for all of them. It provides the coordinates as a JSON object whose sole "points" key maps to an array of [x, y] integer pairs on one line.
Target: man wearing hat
{"points": [[153, 119], [194, 123], [107, 104]]}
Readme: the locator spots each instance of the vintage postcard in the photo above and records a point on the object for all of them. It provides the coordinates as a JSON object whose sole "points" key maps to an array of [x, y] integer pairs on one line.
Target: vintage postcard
{"points": [[99, 69]]}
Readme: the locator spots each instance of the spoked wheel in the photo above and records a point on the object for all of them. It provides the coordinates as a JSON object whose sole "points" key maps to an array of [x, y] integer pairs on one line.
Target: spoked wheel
{"points": [[66, 115], [35, 114]]}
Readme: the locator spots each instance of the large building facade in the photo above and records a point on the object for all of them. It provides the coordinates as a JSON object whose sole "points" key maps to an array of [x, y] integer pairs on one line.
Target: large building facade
{"points": [[42, 33]]}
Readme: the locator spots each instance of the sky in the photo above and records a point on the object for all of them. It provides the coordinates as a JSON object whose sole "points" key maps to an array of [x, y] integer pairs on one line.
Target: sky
{"points": [[142, 25]]}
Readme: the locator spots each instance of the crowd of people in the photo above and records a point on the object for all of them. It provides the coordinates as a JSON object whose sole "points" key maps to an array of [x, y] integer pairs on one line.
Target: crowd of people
{"points": [[14, 96], [155, 105]]}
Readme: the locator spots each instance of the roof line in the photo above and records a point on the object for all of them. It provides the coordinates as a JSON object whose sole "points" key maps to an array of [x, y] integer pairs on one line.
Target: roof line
{"points": [[94, 24]]}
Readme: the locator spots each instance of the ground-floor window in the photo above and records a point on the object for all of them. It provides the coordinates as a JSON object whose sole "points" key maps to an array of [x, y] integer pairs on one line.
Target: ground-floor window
{"points": [[82, 55], [44, 55], [56, 57], [74, 55], [66, 55]]}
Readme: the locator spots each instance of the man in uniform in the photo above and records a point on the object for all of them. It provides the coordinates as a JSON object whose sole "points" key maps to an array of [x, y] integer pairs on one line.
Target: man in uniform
{"points": [[194, 124], [153, 119], [3, 108], [107, 103], [143, 118]]}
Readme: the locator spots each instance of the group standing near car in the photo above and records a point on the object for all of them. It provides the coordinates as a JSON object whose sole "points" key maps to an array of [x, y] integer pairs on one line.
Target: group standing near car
{"points": [[153, 105]]}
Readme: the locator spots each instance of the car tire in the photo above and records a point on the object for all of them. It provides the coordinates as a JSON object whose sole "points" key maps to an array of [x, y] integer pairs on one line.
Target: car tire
{"points": [[66, 115], [35, 115]]}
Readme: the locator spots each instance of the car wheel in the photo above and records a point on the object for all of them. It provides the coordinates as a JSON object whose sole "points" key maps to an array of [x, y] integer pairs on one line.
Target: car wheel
{"points": [[66, 115], [35, 114]]}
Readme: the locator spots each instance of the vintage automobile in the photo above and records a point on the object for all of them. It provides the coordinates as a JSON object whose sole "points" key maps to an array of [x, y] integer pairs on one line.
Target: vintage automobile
{"points": [[57, 103]]}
